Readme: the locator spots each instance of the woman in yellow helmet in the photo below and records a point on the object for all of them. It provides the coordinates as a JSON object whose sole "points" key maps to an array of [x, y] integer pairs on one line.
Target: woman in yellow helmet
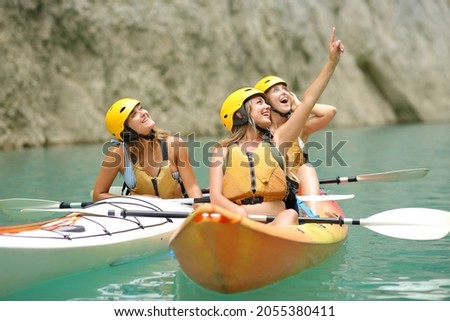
{"points": [[245, 174], [283, 103], [151, 161]]}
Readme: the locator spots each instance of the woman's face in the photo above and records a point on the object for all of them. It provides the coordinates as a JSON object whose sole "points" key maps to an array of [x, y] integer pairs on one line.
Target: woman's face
{"points": [[260, 111], [278, 96], [140, 121]]}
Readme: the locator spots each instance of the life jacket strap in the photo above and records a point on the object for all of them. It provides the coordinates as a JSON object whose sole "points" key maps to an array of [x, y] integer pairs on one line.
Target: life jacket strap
{"points": [[302, 207], [252, 200]]}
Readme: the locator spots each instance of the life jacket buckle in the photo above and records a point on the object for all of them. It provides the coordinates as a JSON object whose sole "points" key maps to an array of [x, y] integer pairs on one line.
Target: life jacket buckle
{"points": [[252, 200]]}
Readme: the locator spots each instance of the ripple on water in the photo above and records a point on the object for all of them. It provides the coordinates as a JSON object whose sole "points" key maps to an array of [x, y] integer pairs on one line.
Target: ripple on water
{"points": [[157, 286]]}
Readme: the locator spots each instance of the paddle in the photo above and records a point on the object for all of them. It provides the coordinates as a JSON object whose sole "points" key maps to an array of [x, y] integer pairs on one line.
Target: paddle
{"points": [[19, 203], [404, 223], [304, 198], [13, 206], [392, 176]]}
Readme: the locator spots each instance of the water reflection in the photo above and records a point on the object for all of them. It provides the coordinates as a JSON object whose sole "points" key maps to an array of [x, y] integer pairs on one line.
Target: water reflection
{"points": [[436, 289], [157, 286]]}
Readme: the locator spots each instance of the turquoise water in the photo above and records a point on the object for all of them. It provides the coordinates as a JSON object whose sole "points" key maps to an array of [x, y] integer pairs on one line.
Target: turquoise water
{"points": [[369, 266]]}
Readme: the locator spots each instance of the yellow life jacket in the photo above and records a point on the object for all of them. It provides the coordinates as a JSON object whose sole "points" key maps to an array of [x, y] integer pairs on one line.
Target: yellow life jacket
{"points": [[165, 184], [254, 177]]}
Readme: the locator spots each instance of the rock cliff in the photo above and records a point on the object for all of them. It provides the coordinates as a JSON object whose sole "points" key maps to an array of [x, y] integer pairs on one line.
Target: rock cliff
{"points": [[64, 62]]}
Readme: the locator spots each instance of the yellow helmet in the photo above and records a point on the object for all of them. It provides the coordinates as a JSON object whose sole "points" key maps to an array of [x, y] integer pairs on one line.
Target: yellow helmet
{"points": [[117, 114], [233, 103], [265, 83]]}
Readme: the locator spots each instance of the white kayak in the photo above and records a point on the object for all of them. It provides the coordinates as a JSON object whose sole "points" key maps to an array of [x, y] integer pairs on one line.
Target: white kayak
{"points": [[80, 241]]}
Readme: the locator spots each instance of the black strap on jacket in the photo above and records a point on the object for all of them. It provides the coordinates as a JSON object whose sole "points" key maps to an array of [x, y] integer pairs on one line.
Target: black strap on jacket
{"points": [[175, 175], [165, 157]]}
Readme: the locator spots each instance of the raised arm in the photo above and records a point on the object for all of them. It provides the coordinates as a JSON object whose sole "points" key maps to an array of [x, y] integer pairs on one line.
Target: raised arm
{"points": [[320, 116], [289, 131]]}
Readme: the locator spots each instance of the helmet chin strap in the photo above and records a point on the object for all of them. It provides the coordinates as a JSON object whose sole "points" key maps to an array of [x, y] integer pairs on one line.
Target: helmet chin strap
{"points": [[150, 136], [285, 115], [267, 134]]}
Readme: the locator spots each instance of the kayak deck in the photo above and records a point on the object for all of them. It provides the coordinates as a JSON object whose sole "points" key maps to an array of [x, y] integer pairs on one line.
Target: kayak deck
{"points": [[227, 253], [40, 251]]}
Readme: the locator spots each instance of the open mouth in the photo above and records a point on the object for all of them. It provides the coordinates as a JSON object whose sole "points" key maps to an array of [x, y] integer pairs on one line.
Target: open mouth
{"points": [[284, 100]]}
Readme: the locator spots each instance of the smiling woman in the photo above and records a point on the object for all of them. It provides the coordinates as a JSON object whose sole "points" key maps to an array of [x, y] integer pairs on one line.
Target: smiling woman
{"points": [[151, 161]]}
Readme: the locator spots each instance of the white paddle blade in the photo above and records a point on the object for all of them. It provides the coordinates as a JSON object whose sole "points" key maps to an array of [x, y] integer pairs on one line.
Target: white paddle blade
{"points": [[324, 198], [93, 210], [12, 208], [19, 203], [395, 176], [410, 223]]}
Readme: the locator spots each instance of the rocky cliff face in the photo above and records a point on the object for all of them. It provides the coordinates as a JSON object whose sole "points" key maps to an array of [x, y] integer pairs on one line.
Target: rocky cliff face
{"points": [[64, 62]]}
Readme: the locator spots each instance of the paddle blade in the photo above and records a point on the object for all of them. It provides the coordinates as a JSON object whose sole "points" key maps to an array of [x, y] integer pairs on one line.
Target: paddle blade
{"points": [[394, 176], [12, 208], [324, 198], [410, 223], [89, 210]]}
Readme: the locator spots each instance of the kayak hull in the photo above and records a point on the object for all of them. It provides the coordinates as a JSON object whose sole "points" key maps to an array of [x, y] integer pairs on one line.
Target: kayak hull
{"points": [[79, 243], [226, 253]]}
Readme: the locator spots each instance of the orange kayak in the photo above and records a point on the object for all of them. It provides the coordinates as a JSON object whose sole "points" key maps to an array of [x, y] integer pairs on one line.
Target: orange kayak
{"points": [[225, 252]]}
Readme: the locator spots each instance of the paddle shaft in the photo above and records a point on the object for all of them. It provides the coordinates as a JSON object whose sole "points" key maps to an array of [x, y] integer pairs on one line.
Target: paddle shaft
{"points": [[204, 199], [171, 214], [399, 175], [392, 176], [91, 211], [262, 218], [74, 204], [338, 180], [197, 200]]}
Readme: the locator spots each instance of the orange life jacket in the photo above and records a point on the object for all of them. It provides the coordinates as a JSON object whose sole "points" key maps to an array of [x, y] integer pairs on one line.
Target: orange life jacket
{"points": [[166, 184], [253, 176]]}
